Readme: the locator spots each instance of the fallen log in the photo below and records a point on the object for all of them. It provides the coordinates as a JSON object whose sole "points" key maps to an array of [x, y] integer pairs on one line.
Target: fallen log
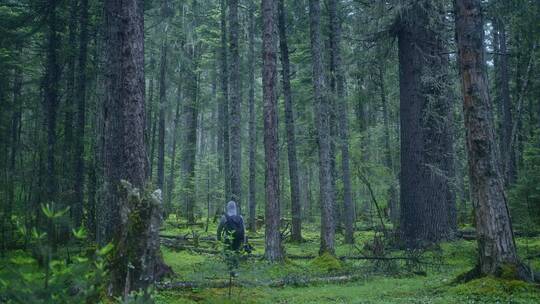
{"points": [[289, 281]]}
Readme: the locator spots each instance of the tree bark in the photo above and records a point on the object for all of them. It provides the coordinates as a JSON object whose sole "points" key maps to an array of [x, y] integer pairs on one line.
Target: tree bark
{"points": [[322, 104], [273, 249], [296, 208], [426, 144], [337, 84], [125, 151], [234, 107], [496, 246], [252, 202]]}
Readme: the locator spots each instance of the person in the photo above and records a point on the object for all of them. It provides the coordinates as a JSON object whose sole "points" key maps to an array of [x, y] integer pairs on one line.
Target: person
{"points": [[231, 225]]}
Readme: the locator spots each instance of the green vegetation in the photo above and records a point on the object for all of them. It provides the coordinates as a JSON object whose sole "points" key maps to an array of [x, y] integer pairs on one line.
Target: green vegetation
{"points": [[374, 281]]}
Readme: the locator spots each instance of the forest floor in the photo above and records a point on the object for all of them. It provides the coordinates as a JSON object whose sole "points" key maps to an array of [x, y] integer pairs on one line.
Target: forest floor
{"points": [[202, 275], [423, 277]]}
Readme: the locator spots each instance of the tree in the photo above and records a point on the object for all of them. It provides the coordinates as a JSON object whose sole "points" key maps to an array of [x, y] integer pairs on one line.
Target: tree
{"points": [[81, 114], [337, 85], [234, 107], [252, 223], [273, 251], [191, 112], [132, 220], [51, 86], [322, 105], [296, 208], [162, 105], [496, 245], [508, 156], [170, 183], [426, 141], [224, 112]]}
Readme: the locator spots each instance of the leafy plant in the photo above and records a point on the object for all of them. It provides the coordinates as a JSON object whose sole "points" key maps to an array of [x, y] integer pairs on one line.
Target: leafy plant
{"points": [[55, 279]]}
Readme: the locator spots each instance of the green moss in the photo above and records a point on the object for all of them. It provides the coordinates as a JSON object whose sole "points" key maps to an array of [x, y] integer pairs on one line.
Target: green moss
{"points": [[493, 288], [509, 272], [327, 263]]}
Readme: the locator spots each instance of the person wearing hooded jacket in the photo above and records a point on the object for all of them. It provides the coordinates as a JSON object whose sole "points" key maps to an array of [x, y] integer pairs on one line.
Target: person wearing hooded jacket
{"points": [[232, 225]]}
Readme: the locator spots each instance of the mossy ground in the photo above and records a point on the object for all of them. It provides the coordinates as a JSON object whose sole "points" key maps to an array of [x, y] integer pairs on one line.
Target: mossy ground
{"points": [[388, 282]]}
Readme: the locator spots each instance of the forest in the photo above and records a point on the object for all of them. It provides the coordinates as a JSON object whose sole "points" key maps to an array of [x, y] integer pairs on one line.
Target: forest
{"points": [[271, 151]]}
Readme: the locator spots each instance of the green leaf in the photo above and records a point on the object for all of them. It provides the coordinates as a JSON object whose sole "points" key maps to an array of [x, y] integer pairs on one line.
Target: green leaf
{"points": [[105, 250]]}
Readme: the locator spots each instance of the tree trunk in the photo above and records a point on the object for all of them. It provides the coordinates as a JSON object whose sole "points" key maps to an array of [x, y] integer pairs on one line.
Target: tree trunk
{"points": [[14, 144], [234, 109], [252, 202], [508, 156], [51, 94], [170, 183], [153, 127], [224, 113], [128, 217], [162, 105], [296, 208], [81, 115], [496, 246], [426, 143], [189, 150], [322, 104], [273, 249], [386, 120], [67, 153], [337, 85]]}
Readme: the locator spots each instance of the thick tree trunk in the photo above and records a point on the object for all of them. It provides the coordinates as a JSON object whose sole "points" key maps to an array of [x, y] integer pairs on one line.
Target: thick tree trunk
{"points": [[496, 246], [234, 107], [508, 155], [322, 104], [162, 105], [273, 249], [81, 115], [296, 208], [252, 203], [426, 143], [224, 113], [128, 215], [337, 85]]}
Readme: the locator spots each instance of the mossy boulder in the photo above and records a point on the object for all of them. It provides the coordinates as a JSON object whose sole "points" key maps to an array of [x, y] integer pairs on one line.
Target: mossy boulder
{"points": [[327, 263], [492, 287]]}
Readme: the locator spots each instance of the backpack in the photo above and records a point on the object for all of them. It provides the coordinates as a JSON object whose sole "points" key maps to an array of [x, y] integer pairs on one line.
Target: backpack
{"points": [[234, 227]]}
